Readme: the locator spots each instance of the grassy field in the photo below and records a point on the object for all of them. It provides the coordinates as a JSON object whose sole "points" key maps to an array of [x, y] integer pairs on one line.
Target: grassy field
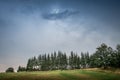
{"points": [[86, 74]]}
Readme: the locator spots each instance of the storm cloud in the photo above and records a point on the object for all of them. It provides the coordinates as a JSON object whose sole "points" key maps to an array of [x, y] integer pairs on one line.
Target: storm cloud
{"points": [[58, 14]]}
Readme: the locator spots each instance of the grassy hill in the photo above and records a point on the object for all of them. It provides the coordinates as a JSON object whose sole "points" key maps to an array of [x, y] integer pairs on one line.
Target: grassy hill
{"points": [[80, 74]]}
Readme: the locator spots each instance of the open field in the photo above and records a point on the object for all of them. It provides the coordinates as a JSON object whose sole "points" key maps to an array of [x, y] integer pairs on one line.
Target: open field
{"points": [[81, 74]]}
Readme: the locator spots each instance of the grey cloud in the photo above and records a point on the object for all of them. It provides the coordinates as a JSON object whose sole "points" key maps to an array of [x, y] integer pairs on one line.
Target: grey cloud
{"points": [[60, 15]]}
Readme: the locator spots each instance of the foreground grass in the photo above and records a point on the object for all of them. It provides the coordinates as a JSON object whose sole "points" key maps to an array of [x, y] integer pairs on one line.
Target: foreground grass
{"points": [[62, 75]]}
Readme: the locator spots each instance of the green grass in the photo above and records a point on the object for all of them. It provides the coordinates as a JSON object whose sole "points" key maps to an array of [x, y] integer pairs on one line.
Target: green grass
{"points": [[62, 75]]}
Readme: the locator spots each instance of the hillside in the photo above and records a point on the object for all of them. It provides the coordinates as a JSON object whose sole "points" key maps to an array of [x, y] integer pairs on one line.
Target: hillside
{"points": [[80, 74]]}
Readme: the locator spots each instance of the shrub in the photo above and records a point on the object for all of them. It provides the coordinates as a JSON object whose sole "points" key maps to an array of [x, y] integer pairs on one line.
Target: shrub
{"points": [[10, 69]]}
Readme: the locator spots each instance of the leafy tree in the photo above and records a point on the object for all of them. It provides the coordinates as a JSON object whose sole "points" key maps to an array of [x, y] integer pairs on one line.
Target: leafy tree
{"points": [[103, 56], [118, 55]]}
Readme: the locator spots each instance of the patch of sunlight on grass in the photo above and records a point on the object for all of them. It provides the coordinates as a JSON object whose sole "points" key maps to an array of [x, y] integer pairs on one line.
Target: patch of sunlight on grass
{"points": [[101, 75]]}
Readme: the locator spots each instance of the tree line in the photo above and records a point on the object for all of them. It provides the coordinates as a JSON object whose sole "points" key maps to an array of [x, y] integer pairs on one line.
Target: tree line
{"points": [[104, 57]]}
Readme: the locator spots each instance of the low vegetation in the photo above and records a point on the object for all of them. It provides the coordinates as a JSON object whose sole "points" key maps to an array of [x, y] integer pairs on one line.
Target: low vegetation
{"points": [[78, 74]]}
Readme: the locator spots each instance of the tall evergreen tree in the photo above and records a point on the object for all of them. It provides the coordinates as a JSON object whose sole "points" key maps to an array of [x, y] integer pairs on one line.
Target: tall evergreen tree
{"points": [[71, 60], [83, 63], [29, 64], [39, 61], [118, 55]]}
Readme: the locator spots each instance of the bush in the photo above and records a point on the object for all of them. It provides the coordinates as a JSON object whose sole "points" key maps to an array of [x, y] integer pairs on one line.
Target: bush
{"points": [[20, 69], [10, 69]]}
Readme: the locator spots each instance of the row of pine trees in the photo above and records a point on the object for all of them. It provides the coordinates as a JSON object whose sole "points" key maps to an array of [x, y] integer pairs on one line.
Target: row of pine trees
{"points": [[104, 57]]}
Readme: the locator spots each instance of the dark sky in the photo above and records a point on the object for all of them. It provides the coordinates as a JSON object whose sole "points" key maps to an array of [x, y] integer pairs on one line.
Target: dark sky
{"points": [[32, 27]]}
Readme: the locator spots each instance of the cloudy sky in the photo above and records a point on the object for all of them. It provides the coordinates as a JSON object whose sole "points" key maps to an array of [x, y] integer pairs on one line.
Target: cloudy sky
{"points": [[32, 27]]}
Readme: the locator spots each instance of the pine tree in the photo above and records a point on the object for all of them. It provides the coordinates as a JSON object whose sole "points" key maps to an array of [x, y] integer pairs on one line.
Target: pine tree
{"points": [[39, 61], [29, 65], [83, 63], [20, 69], [78, 63], [71, 60]]}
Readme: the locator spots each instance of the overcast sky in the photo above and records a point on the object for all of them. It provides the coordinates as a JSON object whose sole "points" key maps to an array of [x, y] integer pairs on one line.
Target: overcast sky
{"points": [[32, 27]]}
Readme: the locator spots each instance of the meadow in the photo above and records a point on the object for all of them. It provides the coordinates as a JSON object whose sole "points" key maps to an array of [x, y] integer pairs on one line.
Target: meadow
{"points": [[79, 74]]}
